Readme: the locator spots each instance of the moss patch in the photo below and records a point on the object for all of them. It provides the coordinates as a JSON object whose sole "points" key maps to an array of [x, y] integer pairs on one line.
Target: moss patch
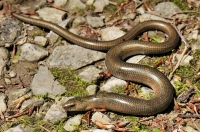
{"points": [[75, 86]]}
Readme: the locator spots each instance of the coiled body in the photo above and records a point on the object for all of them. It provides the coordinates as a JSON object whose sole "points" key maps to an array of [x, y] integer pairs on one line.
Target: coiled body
{"points": [[120, 49]]}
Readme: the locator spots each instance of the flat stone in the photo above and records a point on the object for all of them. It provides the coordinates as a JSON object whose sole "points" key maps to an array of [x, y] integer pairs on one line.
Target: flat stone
{"points": [[167, 9], [112, 83], [51, 14], [3, 105], [32, 53], [145, 17], [12, 74], [32, 102], [95, 21], [73, 6], [100, 117], [17, 93], [78, 21], [91, 89], [60, 3], [4, 54], [31, 6], [55, 113], [44, 82], [186, 59], [89, 2], [71, 124], [10, 28], [40, 40], [111, 33], [90, 73], [99, 5], [73, 56], [129, 16], [20, 128]]}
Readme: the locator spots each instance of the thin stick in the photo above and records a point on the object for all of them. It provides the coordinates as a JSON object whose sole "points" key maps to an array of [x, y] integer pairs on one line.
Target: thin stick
{"points": [[187, 46]]}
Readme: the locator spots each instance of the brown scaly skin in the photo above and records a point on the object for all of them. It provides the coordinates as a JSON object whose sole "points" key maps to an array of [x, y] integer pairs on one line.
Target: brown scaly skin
{"points": [[163, 90]]}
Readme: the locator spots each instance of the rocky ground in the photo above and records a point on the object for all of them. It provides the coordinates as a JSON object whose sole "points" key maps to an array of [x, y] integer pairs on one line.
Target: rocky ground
{"points": [[39, 70]]}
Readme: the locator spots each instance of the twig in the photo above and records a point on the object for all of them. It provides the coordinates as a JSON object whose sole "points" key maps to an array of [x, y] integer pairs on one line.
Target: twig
{"points": [[196, 125], [44, 128], [184, 12], [187, 46]]}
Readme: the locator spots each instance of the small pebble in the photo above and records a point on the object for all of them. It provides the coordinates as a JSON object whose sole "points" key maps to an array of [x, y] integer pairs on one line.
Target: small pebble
{"points": [[12, 74], [7, 81]]}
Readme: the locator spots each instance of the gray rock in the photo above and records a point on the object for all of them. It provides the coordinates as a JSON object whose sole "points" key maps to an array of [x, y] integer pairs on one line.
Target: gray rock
{"points": [[111, 33], [145, 17], [16, 93], [192, 125], [55, 113], [32, 5], [99, 5], [89, 2], [183, 17], [72, 123], [79, 20], [32, 53], [73, 6], [186, 59], [189, 129], [44, 82], [90, 73], [12, 74], [167, 9], [3, 105], [32, 102], [40, 40], [91, 89], [74, 31], [196, 45], [141, 10], [112, 83], [20, 128], [95, 21], [51, 14], [129, 16], [73, 56], [60, 3], [10, 29], [4, 54], [146, 90], [135, 59], [7, 81], [100, 117]]}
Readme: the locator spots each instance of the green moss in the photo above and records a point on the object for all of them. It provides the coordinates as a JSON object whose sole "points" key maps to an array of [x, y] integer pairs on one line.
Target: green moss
{"points": [[36, 32], [196, 55], [89, 8], [156, 130], [182, 4], [28, 121], [119, 90], [118, 1], [185, 72], [134, 124], [180, 87], [15, 58], [110, 9], [75, 86]]}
